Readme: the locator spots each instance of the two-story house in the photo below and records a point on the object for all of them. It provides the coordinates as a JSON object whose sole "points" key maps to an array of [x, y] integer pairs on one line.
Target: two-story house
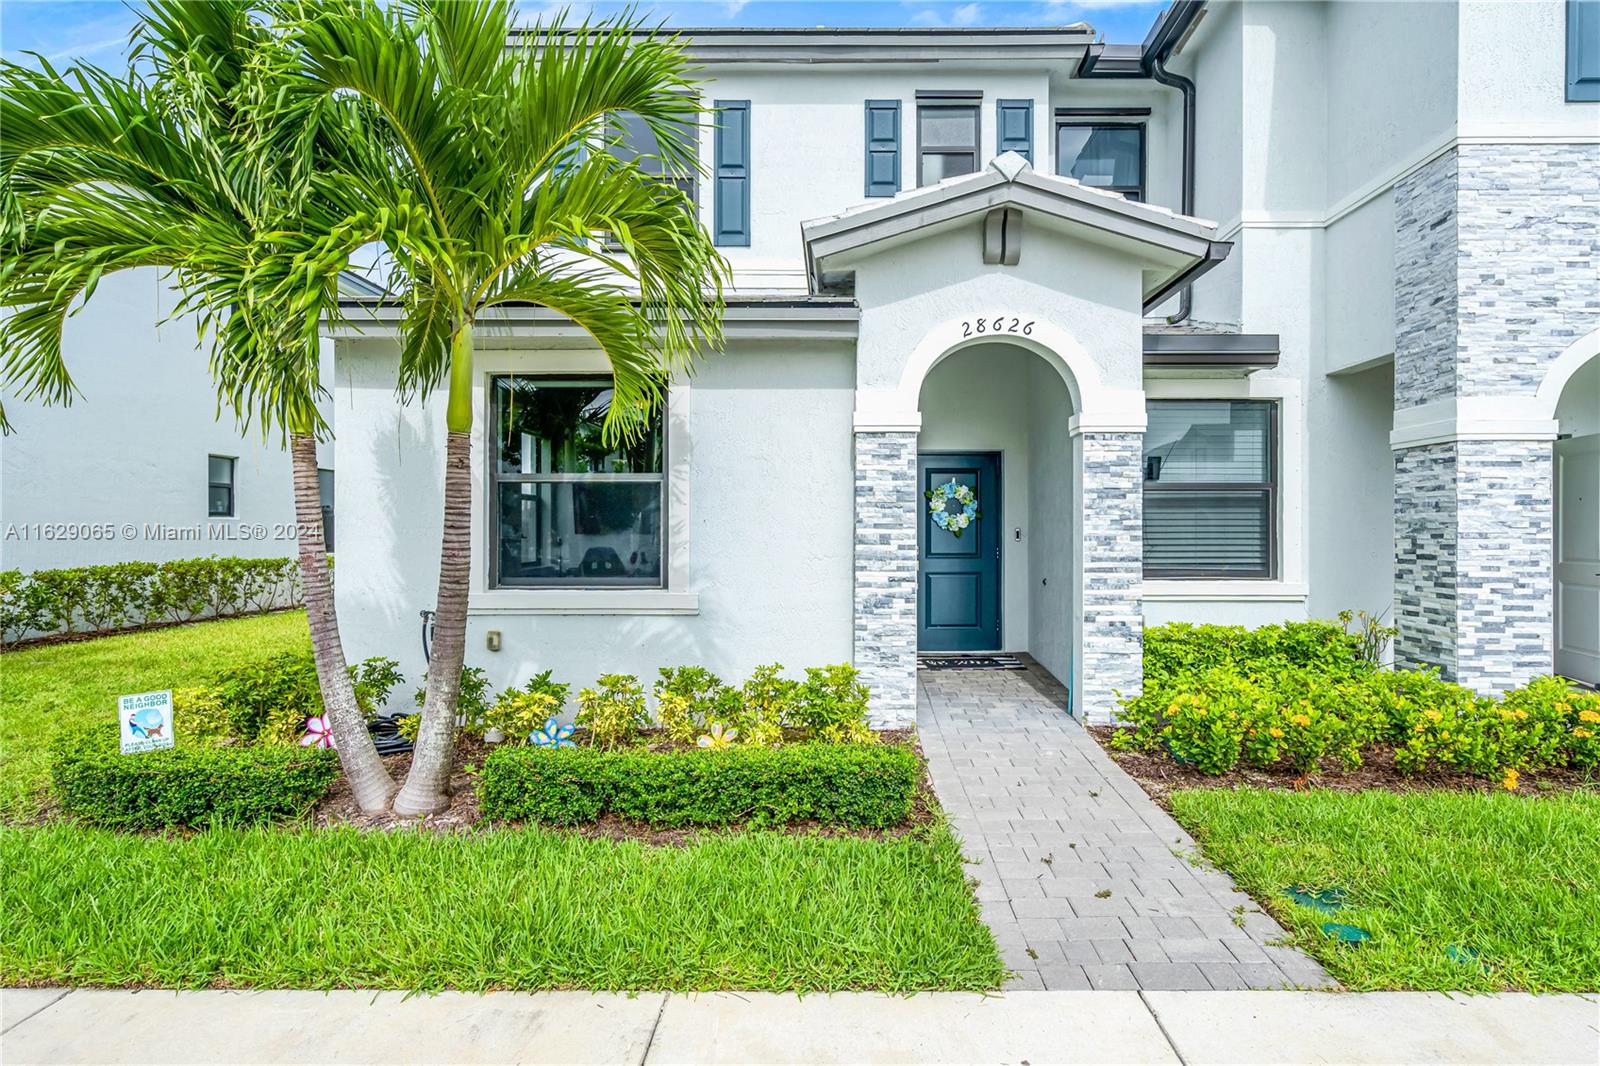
{"points": [[1036, 341]]}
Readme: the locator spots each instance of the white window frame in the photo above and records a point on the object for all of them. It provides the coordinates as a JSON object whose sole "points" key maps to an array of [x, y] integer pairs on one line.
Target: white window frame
{"points": [[674, 595], [1290, 586]]}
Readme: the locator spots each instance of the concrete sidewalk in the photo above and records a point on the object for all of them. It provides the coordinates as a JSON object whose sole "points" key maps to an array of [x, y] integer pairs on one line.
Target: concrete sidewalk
{"points": [[58, 1026]]}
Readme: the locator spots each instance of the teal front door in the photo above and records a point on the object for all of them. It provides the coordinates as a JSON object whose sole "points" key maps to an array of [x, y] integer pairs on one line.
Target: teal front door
{"points": [[958, 592]]}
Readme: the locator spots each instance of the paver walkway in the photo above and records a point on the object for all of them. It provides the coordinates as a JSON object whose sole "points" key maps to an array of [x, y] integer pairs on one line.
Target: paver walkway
{"points": [[1085, 882]]}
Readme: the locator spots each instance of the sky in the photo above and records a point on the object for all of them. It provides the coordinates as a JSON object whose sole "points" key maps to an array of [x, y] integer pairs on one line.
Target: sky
{"points": [[97, 30]]}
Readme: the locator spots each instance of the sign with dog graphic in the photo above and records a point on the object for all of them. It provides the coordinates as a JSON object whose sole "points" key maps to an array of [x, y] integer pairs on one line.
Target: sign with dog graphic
{"points": [[146, 720]]}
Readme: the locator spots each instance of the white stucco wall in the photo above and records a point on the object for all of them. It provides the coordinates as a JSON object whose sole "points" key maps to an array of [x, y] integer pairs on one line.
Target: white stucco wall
{"points": [[131, 450], [910, 290], [1052, 469], [1512, 77], [763, 511]]}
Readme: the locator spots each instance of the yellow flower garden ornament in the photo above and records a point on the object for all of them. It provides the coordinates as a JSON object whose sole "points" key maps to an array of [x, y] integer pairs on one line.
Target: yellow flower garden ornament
{"points": [[718, 737]]}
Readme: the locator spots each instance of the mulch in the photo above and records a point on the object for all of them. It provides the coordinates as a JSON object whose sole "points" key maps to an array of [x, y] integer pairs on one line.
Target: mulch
{"points": [[1160, 776], [338, 807]]}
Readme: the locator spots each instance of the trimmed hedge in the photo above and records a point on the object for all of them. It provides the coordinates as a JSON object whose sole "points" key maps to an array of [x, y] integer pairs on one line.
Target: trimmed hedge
{"points": [[107, 599], [191, 786], [836, 784]]}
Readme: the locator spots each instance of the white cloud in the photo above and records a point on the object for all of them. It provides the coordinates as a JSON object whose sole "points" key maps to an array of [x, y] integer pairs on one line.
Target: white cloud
{"points": [[965, 15], [733, 7]]}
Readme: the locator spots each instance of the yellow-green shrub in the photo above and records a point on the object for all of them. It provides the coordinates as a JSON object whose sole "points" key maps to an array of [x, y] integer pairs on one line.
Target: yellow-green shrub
{"points": [[614, 712]]}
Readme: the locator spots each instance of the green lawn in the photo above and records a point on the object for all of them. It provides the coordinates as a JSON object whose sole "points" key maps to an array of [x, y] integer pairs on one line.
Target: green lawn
{"points": [[1514, 879], [302, 908], [503, 909], [45, 689]]}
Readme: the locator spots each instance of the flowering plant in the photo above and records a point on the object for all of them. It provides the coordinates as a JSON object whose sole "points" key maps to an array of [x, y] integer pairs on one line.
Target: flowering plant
{"points": [[952, 521]]}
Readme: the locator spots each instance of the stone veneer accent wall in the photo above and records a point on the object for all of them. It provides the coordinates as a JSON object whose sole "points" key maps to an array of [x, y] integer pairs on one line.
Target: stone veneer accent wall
{"points": [[1111, 573], [1497, 252], [886, 574]]}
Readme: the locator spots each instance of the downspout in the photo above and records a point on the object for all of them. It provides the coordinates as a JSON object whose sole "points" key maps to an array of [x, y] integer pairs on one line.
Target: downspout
{"points": [[1160, 73]]}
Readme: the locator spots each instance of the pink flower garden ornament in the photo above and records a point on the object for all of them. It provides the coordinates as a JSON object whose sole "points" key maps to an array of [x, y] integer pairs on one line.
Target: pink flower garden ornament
{"points": [[319, 733]]}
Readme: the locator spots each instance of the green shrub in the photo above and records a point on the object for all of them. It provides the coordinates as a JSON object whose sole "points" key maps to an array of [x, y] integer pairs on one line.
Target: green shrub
{"points": [[689, 699], [472, 698], [614, 712], [374, 679], [1312, 696], [269, 699], [105, 599], [851, 785], [519, 711], [190, 785], [1179, 649], [832, 704], [763, 706]]}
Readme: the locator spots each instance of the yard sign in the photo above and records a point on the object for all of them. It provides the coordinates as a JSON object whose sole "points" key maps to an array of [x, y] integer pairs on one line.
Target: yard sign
{"points": [[146, 721]]}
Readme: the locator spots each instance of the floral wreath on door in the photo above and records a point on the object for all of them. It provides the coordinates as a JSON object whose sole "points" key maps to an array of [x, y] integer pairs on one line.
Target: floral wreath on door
{"points": [[953, 520]]}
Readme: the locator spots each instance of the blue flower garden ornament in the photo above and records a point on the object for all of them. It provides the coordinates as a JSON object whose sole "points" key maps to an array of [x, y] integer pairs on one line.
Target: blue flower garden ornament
{"points": [[552, 735], [953, 521]]}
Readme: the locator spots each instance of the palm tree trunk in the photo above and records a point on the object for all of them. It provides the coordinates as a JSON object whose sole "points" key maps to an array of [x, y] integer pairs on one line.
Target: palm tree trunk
{"points": [[426, 790], [369, 781]]}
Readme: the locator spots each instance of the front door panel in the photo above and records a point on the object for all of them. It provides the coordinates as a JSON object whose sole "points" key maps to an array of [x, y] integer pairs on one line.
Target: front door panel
{"points": [[958, 595]]}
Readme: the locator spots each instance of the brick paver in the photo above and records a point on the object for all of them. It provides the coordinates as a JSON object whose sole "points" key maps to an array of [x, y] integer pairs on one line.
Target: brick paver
{"points": [[1085, 882]]}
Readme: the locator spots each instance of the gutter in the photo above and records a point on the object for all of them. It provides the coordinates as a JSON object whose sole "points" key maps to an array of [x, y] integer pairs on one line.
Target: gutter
{"points": [[1117, 61]]}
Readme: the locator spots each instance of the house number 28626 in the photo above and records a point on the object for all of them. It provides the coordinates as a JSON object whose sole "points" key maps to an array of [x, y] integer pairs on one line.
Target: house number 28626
{"points": [[1002, 324]]}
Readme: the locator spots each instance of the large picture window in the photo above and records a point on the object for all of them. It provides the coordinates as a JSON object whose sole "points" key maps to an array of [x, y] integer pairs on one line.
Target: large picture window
{"points": [[1107, 156], [566, 509], [1210, 488]]}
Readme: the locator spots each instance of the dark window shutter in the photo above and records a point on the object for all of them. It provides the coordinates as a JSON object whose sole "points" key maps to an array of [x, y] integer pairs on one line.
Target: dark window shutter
{"points": [[1583, 49], [1013, 131], [731, 219], [883, 147]]}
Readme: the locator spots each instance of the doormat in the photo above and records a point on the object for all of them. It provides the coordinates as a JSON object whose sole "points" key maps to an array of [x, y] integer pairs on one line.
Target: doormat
{"points": [[970, 662]]}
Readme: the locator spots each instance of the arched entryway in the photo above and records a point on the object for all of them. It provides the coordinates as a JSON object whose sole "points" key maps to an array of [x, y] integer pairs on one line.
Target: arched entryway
{"points": [[1087, 633], [996, 425]]}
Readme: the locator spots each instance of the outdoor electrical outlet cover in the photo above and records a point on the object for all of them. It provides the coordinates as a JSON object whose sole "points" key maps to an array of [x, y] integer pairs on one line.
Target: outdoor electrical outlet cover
{"points": [[1346, 934], [493, 640], [1326, 900]]}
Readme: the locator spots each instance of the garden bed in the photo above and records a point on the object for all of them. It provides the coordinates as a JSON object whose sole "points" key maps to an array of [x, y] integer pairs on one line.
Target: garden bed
{"points": [[338, 807], [1160, 776]]}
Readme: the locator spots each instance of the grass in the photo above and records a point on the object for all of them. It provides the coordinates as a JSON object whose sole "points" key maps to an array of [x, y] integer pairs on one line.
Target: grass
{"points": [[522, 909], [48, 688], [1514, 879]]}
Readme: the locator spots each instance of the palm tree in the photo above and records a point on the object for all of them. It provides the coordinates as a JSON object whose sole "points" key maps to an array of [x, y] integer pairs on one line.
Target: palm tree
{"points": [[176, 171], [501, 190]]}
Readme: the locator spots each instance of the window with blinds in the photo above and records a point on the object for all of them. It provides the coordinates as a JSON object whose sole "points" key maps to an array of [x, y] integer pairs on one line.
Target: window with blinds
{"points": [[1210, 488]]}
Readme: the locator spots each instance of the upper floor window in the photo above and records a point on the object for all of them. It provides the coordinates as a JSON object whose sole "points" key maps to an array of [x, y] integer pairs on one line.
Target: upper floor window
{"points": [[1106, 155], [947, 134], [638, 142], [220, 502], [567, 509], [1210, 488]]}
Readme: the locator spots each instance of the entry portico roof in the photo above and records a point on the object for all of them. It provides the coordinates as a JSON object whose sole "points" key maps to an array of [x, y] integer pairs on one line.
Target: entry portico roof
{"points": [[1175, 249]]}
